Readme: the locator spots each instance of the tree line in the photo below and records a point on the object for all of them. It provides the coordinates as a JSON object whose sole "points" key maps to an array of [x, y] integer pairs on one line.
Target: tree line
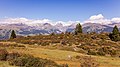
{"points": [[114, 35]]}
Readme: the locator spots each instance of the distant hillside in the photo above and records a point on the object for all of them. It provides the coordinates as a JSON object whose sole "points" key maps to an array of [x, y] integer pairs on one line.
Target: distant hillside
{"points": [[47, 28]]}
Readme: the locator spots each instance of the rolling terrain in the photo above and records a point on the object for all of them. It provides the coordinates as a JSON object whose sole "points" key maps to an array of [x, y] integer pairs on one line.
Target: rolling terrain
{"points": [[61, 56], [66, 48]]}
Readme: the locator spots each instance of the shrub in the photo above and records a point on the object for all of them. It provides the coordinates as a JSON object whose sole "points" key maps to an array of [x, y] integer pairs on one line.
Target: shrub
{"points": [[101, 53], [113, 52], [20, 61], [77, 57], [52, 34], [20, 46], [114, 37], [30, 61], [107, 50], [89, 62], [44, 43], [12, 56], [64, 65], [90, 52], [63, 42], [3, 54], [67, 48]]}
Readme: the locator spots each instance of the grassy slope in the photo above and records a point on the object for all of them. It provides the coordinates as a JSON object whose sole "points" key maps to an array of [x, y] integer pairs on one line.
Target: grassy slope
{"points": [[5, 64], [61, 56]]}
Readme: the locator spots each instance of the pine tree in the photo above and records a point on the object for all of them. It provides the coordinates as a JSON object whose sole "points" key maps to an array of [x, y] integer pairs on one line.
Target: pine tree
{"points": [[115, 35], [115, 30], [13, 35], [78, 28]]}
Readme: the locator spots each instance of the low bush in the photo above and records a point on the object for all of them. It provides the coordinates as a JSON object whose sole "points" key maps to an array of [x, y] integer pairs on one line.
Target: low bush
{"points": [[64, 65], [3, 54], [20, 46], [103, 51], [77, 57], [12, 56], [30, 61], [90, 52], [88, 62], [23, 60]]}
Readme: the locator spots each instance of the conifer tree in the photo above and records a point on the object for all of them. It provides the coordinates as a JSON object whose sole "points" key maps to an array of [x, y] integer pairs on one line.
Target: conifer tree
{"points": [[115, 30], [78, 28], [13, 35], [115, 35]]}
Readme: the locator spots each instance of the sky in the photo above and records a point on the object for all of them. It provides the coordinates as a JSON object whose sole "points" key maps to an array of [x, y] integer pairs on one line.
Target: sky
{"points": [[59, 10]]}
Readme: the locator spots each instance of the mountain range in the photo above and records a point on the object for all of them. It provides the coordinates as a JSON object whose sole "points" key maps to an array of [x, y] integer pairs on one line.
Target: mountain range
{"points": [[47, 28]]}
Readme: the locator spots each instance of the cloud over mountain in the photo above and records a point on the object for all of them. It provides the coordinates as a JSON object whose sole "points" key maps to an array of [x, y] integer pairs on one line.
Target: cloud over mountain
{"points": [[117, 20], [34, 21], [101, 20], [97, 17], [22, 20], [24, 26], [93, 19]]}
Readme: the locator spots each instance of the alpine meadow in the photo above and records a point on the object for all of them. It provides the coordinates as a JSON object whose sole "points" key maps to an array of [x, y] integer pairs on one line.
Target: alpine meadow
{"points": [[59, 33]]}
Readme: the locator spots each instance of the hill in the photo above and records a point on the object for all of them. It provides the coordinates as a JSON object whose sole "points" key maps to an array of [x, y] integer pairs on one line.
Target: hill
{"points": [[67, 48]]}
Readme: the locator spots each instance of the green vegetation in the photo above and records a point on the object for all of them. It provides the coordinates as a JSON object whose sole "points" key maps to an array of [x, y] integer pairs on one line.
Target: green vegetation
{"points": [[24, 60], [13, 35], [91, 44], [61, 57], [30, 61], [78, 28], [89, 62], [5, 64], [115, 30], [115, 35], [3, 54], [62, 50], [103, 51]]}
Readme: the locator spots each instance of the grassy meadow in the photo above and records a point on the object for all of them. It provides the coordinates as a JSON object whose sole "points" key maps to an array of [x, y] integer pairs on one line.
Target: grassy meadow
{"points": [[60, 56], [73, 50]]}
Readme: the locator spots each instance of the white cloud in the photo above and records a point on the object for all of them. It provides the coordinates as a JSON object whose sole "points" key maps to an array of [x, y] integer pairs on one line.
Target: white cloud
{"points": [[41, 21], [96, 17], [23, 20], [116, 20], [14, 20], [67, 22], [33, 21], [93, 19], [101, 21]]}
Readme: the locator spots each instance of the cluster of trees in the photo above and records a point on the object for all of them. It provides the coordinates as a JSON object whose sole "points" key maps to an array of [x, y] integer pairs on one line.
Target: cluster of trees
{"points": [[114, 36], [78, 29]]}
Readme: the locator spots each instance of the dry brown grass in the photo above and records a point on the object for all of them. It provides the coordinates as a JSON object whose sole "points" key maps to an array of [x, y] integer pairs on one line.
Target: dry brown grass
{"points": [[61, 56]]}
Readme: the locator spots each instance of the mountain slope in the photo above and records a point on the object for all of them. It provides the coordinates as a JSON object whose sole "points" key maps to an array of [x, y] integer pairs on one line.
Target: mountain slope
{"points": [[47, 28]]}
